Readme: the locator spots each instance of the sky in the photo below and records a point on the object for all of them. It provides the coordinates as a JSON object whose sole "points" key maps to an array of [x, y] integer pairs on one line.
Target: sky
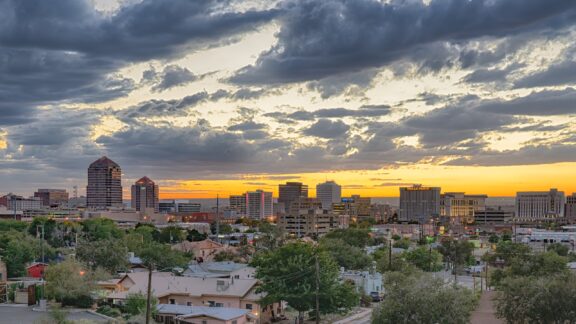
{"points": [[211, 97]]}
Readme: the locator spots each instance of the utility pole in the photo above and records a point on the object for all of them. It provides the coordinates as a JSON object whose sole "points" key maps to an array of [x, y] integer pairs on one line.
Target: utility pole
{"points": [[217, 218], [149, 292], [317, 290], [390, 255]]}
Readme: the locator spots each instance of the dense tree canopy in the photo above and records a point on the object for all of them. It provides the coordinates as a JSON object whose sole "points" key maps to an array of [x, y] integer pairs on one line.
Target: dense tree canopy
{"points": [[423, 299], [348, 256], [353, 236], [289, 274], [548, 299]]}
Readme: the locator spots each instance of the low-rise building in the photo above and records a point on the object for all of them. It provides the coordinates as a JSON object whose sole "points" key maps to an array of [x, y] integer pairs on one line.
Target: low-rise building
{"points": [[224, 269], [190, 291], [179, 314], [206, 249], [461, 208], [306, 217], [365, 281]]}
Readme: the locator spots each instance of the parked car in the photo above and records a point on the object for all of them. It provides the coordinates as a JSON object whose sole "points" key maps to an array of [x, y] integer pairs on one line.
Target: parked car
{"points": [[375, 296]]}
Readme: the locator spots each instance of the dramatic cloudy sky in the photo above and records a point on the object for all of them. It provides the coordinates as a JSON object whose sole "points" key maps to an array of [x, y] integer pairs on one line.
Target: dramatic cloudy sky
{"points": [[221, 96]]}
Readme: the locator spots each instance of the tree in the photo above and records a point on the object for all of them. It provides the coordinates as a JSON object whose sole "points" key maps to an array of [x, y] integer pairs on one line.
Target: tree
{"points": [[352, 236], [224, 228], [537, 265], [158, 256], [195, 236], [109, 254], [423, 299], [171, 234], [426, 259], [19, 248], [457, 253], [402, 244], [49, 227], [507, 250], [71, 282], [493, 238], [289, 274], [135, 304], [7, 225], [549, 299], [100, 228], [347, 256], [559, 248]]}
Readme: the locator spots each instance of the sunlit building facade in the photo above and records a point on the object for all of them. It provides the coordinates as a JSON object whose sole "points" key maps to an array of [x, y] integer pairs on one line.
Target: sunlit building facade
{"points": [[145, 195], [104, 184], [539, 205], [419, 204]]}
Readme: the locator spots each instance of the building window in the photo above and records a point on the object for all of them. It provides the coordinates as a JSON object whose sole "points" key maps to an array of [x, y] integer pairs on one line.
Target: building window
{"points": [[172, 301], [249, 306], [188, 303], [234, 322], [204, 322], [211, 303], [219, 305]]}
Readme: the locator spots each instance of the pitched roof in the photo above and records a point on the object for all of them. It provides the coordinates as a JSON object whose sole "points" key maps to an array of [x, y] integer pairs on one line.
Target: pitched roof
{"points": [[221, 313], [145, 180], [104, 161], [164, 283]]}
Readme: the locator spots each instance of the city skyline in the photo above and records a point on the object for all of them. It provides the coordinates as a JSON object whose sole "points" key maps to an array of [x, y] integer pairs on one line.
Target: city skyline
{"points": [[470, 96]]}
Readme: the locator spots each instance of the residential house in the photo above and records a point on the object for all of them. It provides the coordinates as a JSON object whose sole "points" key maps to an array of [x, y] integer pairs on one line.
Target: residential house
{"points": [[36, 269], [190, 291], [178, 314]]}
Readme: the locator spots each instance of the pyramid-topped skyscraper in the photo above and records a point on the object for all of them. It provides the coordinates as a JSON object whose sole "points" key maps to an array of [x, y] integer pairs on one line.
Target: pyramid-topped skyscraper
{"points": [[104, 184]]}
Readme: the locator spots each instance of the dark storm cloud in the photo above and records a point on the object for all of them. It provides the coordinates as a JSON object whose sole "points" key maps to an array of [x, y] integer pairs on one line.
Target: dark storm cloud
{"points": [[324, 38], [326, 128], [65, 51], [14, 114], [246, 126], [543, 103], [155, 108], [444, 126], [363, 111], [54, 127], [527, 155], [173, 76], [557, 74]]}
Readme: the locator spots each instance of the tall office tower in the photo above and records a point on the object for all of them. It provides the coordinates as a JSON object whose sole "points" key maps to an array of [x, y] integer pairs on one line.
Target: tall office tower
{"points": [[328, 193], [291, 191], [570, 209], [259, 204], [145, 195], [461, 208], [534, 205], [52, 197], [104, 184], [419, 204], [238, 204]]}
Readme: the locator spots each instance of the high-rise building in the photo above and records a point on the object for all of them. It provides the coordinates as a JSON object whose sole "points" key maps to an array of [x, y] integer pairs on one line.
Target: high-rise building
{"points": [[145, 195], [328, 193], [460, 208], [419, 204], [238, 204], [259, 204], [104, 184], [570, 208], [52, 197], [291, 191], [535, 205]]}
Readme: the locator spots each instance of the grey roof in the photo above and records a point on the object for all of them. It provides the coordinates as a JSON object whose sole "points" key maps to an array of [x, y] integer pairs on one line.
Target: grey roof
{"points": [[221, 313], [213, 269]]}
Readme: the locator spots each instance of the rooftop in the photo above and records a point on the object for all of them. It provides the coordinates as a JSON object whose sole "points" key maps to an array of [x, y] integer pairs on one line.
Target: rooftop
{"points": [[221, 313], [104, 161]]}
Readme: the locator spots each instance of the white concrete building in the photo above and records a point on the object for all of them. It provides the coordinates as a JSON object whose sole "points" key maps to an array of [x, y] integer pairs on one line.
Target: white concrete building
{"points": [[259, 204], [328, 193], [535, 205]]}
